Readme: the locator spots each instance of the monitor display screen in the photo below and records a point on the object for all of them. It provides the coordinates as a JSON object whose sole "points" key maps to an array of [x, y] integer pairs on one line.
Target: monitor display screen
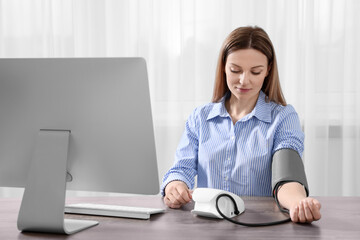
{"points": [[103, 102]]}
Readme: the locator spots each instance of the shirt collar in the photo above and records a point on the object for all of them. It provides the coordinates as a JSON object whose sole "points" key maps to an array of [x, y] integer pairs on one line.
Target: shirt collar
{"points": [[261, 111], [219, 108]]}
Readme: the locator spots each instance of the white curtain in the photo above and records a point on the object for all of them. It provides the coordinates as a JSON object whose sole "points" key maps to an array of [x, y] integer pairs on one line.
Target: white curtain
{"points": [[316, 41]]}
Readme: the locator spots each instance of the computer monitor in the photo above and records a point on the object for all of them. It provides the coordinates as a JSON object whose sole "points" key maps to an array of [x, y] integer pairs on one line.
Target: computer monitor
{"points": [[94, 114]]}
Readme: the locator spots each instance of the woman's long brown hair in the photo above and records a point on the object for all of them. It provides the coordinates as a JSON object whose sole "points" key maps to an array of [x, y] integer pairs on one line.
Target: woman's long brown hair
{"points": [[245, 38]]}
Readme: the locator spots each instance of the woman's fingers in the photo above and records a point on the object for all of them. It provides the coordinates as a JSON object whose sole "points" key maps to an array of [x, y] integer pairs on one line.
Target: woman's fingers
{"points": [[306, 211], [177, 194]]}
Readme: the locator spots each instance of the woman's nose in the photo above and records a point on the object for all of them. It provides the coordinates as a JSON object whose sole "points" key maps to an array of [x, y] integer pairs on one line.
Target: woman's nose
{"points": [[244, 78]]}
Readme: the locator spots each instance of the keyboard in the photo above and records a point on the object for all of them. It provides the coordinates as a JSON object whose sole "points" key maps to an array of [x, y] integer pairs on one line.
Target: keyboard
{"points": [[112, 210]]}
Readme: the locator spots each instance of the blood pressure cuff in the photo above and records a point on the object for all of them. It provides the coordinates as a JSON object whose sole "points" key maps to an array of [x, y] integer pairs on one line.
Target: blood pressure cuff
{"points": [[287, 166]]}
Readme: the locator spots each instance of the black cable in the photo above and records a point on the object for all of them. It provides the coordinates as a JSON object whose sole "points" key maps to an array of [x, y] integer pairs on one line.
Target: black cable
{"points": [[236, 211]]}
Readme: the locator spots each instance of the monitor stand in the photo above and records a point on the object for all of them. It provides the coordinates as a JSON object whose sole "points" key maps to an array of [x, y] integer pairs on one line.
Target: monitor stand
{"points": [[42, 206]]}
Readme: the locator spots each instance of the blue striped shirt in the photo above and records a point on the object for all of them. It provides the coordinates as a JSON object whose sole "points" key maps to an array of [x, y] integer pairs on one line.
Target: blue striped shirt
{"points": [[234, 157]]}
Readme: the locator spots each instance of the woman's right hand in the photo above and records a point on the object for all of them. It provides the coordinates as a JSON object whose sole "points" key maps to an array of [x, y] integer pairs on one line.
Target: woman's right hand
{"points": [[177, 194]]}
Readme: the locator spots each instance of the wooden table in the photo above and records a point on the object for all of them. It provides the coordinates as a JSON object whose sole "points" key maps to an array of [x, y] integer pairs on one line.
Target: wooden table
{"points": [[340, 220]]}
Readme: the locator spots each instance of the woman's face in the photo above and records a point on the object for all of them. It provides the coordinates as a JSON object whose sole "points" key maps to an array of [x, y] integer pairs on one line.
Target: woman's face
{"points": [[245, 71]]}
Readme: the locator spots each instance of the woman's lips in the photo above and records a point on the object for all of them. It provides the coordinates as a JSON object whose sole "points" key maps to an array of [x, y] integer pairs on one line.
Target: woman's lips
{"points": [[243, 90]]}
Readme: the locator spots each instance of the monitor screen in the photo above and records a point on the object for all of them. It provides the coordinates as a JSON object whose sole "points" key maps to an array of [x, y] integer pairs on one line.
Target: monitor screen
{"points": [[103, 102]]}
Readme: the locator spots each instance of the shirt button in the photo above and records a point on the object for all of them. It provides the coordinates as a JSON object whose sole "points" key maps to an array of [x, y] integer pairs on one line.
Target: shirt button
{"points": [[233, 137], [226, 178]]}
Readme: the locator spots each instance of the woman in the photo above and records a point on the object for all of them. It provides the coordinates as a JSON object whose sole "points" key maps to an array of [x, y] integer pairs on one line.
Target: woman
{"points": [[229, 143]]}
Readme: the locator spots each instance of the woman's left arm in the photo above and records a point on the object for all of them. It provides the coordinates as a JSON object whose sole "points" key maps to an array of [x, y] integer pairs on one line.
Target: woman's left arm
{"points": [[292, 196]]}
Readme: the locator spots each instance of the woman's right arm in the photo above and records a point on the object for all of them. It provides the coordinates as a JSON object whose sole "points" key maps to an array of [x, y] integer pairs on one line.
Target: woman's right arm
{"points": [[181, 176]]}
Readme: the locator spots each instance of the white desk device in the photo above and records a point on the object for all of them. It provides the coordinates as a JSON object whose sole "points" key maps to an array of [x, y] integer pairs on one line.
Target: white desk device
{"points": [[205, 203], [215, 203]]}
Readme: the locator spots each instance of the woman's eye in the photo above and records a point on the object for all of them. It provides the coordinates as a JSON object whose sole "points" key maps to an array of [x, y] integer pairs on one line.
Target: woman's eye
{"points": [[240, 71]]}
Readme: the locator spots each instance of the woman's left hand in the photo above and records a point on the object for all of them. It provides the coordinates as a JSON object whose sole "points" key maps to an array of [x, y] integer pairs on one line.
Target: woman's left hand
{"points": [[306, 211]]}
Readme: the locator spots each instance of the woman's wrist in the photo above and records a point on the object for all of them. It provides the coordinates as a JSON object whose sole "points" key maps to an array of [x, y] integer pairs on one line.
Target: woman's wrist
{"points": [[290, 194]]}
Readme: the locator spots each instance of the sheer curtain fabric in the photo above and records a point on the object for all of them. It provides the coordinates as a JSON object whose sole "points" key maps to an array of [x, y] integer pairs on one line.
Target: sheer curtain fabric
{"points": [[316, 44]]}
